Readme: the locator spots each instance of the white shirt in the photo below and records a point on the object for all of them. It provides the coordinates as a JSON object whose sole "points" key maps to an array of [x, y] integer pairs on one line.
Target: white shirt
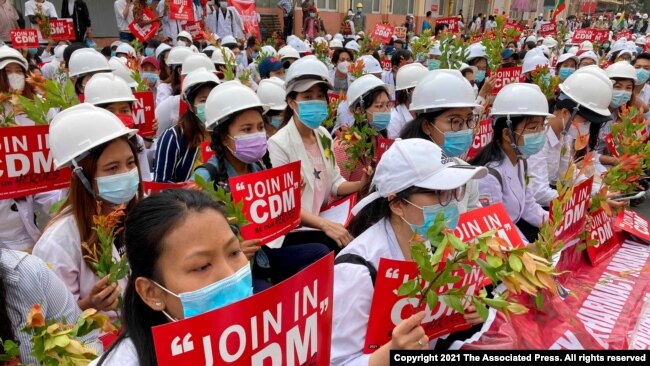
{"points": [[123, 355], [46, 7], [343, 116], [544, 168], [123, 23], [399, 117], [163, 91], [18, 231], [167, 113], [389, 78]]}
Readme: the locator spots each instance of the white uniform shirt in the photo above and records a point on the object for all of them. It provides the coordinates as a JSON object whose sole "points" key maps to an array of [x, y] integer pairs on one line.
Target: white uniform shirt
{"points": [[399, 117], [122, 22], [124, 355], [46, 7], [163, 91], [343, 116], [544, 168], [389, 78], [167, 113], [18, 231]]}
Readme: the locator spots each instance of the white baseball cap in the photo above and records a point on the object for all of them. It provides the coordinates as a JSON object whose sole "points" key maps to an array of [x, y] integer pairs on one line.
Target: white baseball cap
{"points": [[417, 163]]}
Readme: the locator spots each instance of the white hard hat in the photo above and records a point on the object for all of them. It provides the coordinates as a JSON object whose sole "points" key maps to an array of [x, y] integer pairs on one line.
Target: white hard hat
{"points": [[621, 70], [10, 55], [162, 48], [305, 73], [125, 48], [590, 87], [328, 37], [589, 54], [218, 55], [209, 48], [573, 50], [229, 40], [184, 34], [271, 92], [197, 61], [319, 40], [269, 51], [81, 128], [105, 88], [177, 55], [586, 46], [435, 51], [531, 39], [475, 50], [119, 68], [227, 99], [200, 76], [86, 60], [409, 75], [549, 42], [520, 99], [58, 51], [566, 56], [288, 52], [353, 46], [531, 63], [336, 43], [545, 50], [339, 36], [645, 16], [440, 89], [371, 65], [299, 46], [362, 86]]}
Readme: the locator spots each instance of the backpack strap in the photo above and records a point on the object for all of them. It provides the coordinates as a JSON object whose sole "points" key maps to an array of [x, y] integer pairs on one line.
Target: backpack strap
{"points": [[211, 168], [495, 173], [359, 260]]}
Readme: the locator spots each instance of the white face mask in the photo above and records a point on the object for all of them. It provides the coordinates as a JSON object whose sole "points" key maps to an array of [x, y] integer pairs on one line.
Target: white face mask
{"points": [[343, 67], [16, 81]]}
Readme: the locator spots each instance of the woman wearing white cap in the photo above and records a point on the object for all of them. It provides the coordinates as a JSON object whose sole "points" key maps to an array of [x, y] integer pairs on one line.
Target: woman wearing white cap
{"points": [[519, 111], [303, 138], [94, 142], [566, 65], [414, 182]]}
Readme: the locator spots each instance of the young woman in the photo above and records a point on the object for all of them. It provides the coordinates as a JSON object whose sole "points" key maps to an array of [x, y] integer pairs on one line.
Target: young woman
{"points": [[83, 64], [444, 104], [408, 76], [178, 242], [566, 65], [413, 183], [303, 138], [519, 111], [271, 92], [341, 60], [171, 85], [178, 150], [95, 143]]}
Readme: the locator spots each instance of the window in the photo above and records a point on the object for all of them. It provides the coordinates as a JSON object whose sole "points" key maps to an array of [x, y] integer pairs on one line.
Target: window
{"points": [[265, 3], [326, 4], [403, 7], [369, 6]]}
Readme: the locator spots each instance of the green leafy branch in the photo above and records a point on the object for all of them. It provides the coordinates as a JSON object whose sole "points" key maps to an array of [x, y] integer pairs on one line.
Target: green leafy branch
{"points": [[453, 52], [234, 210], [55, 95], [357, 140]]}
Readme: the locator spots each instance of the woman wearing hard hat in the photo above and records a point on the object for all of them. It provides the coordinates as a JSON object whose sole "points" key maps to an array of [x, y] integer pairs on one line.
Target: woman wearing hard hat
{"points": [[83, 64], [414, 182], [172, 84], [303, 138], [519, 111], [94, 142], [271, 92], [408, 76]]}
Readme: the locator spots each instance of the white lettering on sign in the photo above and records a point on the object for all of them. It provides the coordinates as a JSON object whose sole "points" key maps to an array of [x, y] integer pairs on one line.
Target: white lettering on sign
{"points": [[484, 136], [641, 337], [568, 340], [269, 200], [19, 159], [631, 219], [26, 38], [577, 212], [602, 231]]}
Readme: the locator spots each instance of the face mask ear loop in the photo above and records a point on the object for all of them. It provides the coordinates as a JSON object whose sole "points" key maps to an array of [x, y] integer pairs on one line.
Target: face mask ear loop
{"points": [[570, 121], [78, 171]]}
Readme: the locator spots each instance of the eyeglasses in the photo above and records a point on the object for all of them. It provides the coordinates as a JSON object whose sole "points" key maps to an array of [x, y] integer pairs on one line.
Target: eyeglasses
{"points": [[534, 127], [459, 123], [446, 196]]}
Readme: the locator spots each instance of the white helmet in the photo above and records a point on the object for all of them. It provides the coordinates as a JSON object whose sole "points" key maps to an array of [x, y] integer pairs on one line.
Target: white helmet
{"points": [[531, 63], [299, 46], [271, 92], [197, 61], [105, 88], [58, 51], [531, 39], [81, 128], [549, 42], [86, 60], [10, 55], [371, 65], [640, 41], [229, 98], [590, 55], [362, 86], [590, 87], [269, 50], [162, 48], [545, 50], [520, 99], [621, 70], [185, 34], [318, 40], [586, 46], [218, 56], [339, 36], [119, 68], [229, 40], [567, 56], [307, 68], [574, 50], [409, 75], [209, 48], [440, 89], [353, 46], [475, 50], [125, 48], [177, 55], [335, 43], [198, 77], [288, 52]]}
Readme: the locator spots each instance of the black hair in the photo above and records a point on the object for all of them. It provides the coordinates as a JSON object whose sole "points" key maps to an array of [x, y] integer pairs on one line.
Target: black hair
{"points": [[6, 328], [251, 42], [165, 70], [403, 96], [337, 55], [152, 43], [189, 125], [106, 51], [492, 151], [413, 129], [428, 14], [146, 229], [176, 79], [67, 53], [466, 71], [399, 56], [439, 28], [641, 56]]}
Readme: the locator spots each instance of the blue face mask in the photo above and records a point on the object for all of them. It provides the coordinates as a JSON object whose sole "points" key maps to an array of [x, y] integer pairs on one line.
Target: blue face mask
{"points": [[565, 72], [450, 212], [620, 97], [231, 289], [238, 59], [150, 77], [149, 2], [113, 53], [32, 51], [148, 52], [380, 120], [480, 76], [639, 50], [457, 142], [533, 143], [276, 122], [433, 64], [119, 188], [642, 76], [312, 113]]}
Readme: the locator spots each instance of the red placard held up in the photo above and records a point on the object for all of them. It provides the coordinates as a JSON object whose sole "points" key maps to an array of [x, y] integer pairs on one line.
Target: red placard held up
{"points": [[249, 15], [383, 33], [144, 113], [24, 38], [452, 23], [206, 151], [517, 27], [382, 145], [505, 76], [548, 29], [62, 29], [147, 32], [627, 34], [386, 64], [195, 29], [181, 10], [26, 164], [590, 34], [575, 212], [155, 187], [495, 217], [634, 224], [288, 324], [271, 201], [603, 233], [611, 145], [481, 138]]}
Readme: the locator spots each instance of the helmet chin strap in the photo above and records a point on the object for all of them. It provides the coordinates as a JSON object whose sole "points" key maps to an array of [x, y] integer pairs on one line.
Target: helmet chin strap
{"points": [[78, 171], [567, 126], [513, 143]]}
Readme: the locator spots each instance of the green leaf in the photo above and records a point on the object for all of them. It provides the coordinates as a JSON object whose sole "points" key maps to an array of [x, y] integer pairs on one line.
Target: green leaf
{"points": [[407, 287], [515, 263], [539, 299], [466, 267], [432, 299], [418, 258], [481, 309], [456, 242], [454, 303], [496, 303], [494, 261], [437, 255], [427, 273], [488, 270]]}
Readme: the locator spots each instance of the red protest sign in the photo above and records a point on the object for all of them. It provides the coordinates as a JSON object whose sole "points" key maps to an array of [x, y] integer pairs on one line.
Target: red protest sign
{"points": [[195, 29], [144, 113], [400, 33], [518, 28], [249, 15], [590, 34], [155, 187], [147, 32], [452, 23], [548, 29], [24, 38], [386, 64], [271, 200], [646, 48], [383, 33], [382, 145], [181, 10], [182, 108], [627, 34], [611, 145], [62, 29], [603, 233], [575, 212], [495, 217], [634, 224], [388, 309], [206, 151], [481, 138], [26, 165], [505, 76], [340, 211], [288, 324]]}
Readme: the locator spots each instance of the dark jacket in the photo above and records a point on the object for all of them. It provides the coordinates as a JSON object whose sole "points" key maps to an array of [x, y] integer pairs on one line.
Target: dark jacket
{"points": [[80, 16]]}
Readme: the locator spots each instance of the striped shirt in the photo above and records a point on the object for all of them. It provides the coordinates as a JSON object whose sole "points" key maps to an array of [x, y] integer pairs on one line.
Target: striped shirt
{"points": [[174, 159]]}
